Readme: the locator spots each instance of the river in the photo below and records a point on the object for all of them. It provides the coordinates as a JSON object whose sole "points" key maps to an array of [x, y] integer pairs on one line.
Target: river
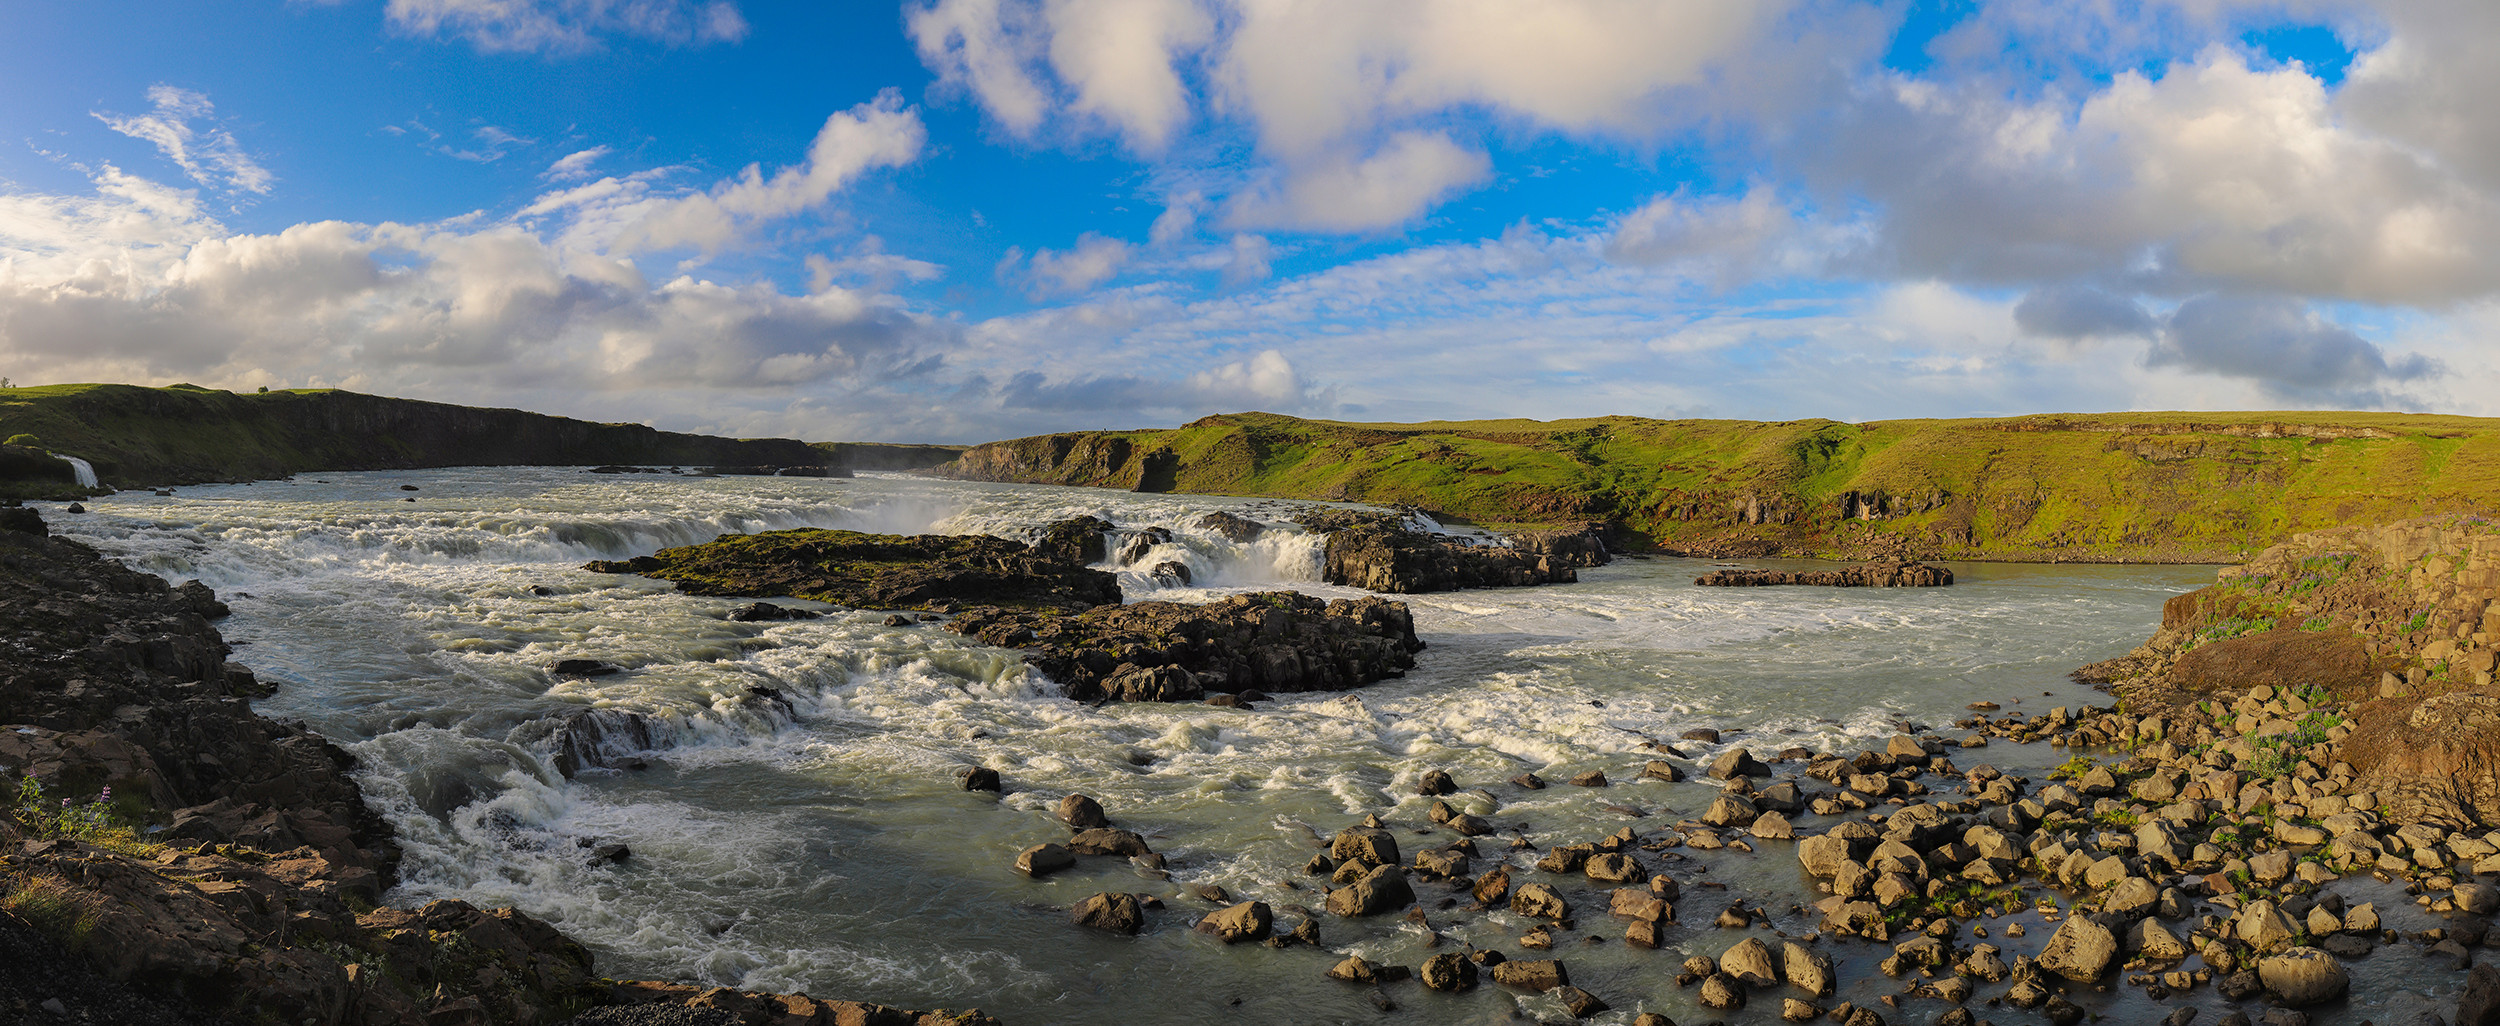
{"points": [[823, 845]]}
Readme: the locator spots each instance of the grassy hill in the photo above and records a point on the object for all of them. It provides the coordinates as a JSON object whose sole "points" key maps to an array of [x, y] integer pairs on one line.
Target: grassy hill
{"points": [[184, 433], [2171, 487]]}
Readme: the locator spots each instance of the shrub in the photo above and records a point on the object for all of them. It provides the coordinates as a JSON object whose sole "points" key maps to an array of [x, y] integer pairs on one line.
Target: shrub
{"points": [[29, 441]]}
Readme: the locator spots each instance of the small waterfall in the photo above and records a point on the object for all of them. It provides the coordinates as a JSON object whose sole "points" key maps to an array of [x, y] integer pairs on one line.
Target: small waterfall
{"points": [[84, 470]]}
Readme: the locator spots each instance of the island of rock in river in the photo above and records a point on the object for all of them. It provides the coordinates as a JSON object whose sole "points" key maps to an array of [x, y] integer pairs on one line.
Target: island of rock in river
{"points": [[1887, 574], [1168, 651], [878, 571]]}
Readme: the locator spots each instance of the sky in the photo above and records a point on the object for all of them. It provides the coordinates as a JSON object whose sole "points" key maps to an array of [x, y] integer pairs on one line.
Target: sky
{"points": [[962, 220]]}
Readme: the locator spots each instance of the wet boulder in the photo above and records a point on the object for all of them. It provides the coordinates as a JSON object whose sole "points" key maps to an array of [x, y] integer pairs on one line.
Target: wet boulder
{"points": [[1044, 859], [1108, 841], [1247, 921], [1750, 961], [1383, 889], [1540, 974], [1538, 901], [1737, 762], [1371, 846], [1448, 971], [1112, 911], [1082, 812]]}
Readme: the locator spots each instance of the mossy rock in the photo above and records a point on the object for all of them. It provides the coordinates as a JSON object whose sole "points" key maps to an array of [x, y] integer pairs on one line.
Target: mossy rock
{"points": [[877, 571]]}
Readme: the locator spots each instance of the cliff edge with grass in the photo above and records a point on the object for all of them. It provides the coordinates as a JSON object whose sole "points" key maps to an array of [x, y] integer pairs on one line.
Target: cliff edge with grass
{"points": [[2134, 487]]}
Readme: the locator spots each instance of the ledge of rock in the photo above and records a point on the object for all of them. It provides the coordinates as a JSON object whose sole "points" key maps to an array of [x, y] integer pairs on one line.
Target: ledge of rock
{"points": [[1887, 574], [1378, 552], [749, 1008], [880, 571], [1167, 651]]}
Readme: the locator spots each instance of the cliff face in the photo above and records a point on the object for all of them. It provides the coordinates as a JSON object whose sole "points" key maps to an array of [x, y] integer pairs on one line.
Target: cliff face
{"points": [[2166, 487], [183, 434], [2401, 622]]}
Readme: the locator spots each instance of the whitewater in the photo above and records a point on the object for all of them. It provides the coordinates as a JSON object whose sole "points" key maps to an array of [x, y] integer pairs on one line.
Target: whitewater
{"points": [[797, 825]]}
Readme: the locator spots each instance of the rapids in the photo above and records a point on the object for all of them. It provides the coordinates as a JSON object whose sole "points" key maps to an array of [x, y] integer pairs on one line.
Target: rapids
{"points": [[822, 844]]}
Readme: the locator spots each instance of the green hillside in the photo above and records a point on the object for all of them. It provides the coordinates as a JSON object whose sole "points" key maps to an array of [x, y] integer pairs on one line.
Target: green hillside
{"points": [[184, 433], [2173, 487]]}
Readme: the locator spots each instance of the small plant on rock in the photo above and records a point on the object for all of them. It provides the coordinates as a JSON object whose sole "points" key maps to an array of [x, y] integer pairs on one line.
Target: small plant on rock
{"points": [[95, 821]]}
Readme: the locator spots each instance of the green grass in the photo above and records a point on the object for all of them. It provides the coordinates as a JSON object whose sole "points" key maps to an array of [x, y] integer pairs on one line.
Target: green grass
{"points": [[2135, 486]]}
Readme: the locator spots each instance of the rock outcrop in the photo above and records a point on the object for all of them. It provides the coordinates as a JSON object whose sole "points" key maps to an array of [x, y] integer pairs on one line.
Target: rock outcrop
{"points": [[1376, 552], [880, 571], [1167, 651], [1896, 573], [2399, 622]]}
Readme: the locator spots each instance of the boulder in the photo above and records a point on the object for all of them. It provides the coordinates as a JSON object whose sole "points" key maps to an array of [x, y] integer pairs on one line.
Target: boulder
{"points": [[2080, 950], [1580, 1003], [2262, 926], [1538, 901], [1730, 810], [1721, 991], [1383, 889], [979, 778], [1112, 911], [1247, 921], [1750, 961], [1614, 868], [1540, 974], [1436, 783], [1108, 841], [1448, 971], [2303, 976], [1082, 812], [1371, 846], [1737, 762], [1807, 969], [1272, 642], [1043, 859]]}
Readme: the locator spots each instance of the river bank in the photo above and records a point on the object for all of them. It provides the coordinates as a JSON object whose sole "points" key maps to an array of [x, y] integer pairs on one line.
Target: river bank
{"points": [[213, 865]]}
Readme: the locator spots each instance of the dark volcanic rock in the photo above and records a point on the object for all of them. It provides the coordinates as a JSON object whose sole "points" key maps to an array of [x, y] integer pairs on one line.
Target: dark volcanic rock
{"points": [[1384, 555], [1165, 651], [1889, 574], [879, 571], [1233, 528], [1077, 540]]}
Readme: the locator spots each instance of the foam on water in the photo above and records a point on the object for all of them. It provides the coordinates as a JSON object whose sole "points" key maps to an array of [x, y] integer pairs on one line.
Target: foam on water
{"points": [[816, 840]]}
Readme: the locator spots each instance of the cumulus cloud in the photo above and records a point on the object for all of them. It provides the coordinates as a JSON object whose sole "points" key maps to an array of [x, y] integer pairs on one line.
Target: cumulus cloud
{"points": [[1335, 94], [184, 128], [1247, 260], [1408, 174], [1093, 260], [2215, 174], [568, 25], [632, 214], [2282, 344]]}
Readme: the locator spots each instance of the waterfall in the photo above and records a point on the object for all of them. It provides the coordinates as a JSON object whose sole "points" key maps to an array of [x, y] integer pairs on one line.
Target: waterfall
{"points": [[84, 470]]}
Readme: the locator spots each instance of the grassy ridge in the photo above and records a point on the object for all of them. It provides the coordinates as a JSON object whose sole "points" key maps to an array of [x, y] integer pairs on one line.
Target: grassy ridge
{"points": [[2180, 487], [183, 433]]}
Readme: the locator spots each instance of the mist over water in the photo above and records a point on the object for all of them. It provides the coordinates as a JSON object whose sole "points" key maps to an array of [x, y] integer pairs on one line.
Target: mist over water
{"points": [[819, 842]]}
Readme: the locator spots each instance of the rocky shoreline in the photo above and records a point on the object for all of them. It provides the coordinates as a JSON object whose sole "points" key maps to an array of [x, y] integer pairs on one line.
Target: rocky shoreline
{"points": [[2190, 848], [208, 865]]}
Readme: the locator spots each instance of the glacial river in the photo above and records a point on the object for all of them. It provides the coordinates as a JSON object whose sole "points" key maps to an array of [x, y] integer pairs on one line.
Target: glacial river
{"points": [[827, 849]]}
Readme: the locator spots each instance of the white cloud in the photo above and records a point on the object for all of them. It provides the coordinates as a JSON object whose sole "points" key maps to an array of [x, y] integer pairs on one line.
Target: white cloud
{"points": [[631, 214], [1344, 99], [568, 25], [1093, 260], [1392, 186], [183, 127], [573, 167], [1246, 260]]}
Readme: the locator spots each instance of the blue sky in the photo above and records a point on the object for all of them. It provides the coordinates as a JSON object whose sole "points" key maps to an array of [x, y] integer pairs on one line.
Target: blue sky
{"points": [[969, 219]]}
